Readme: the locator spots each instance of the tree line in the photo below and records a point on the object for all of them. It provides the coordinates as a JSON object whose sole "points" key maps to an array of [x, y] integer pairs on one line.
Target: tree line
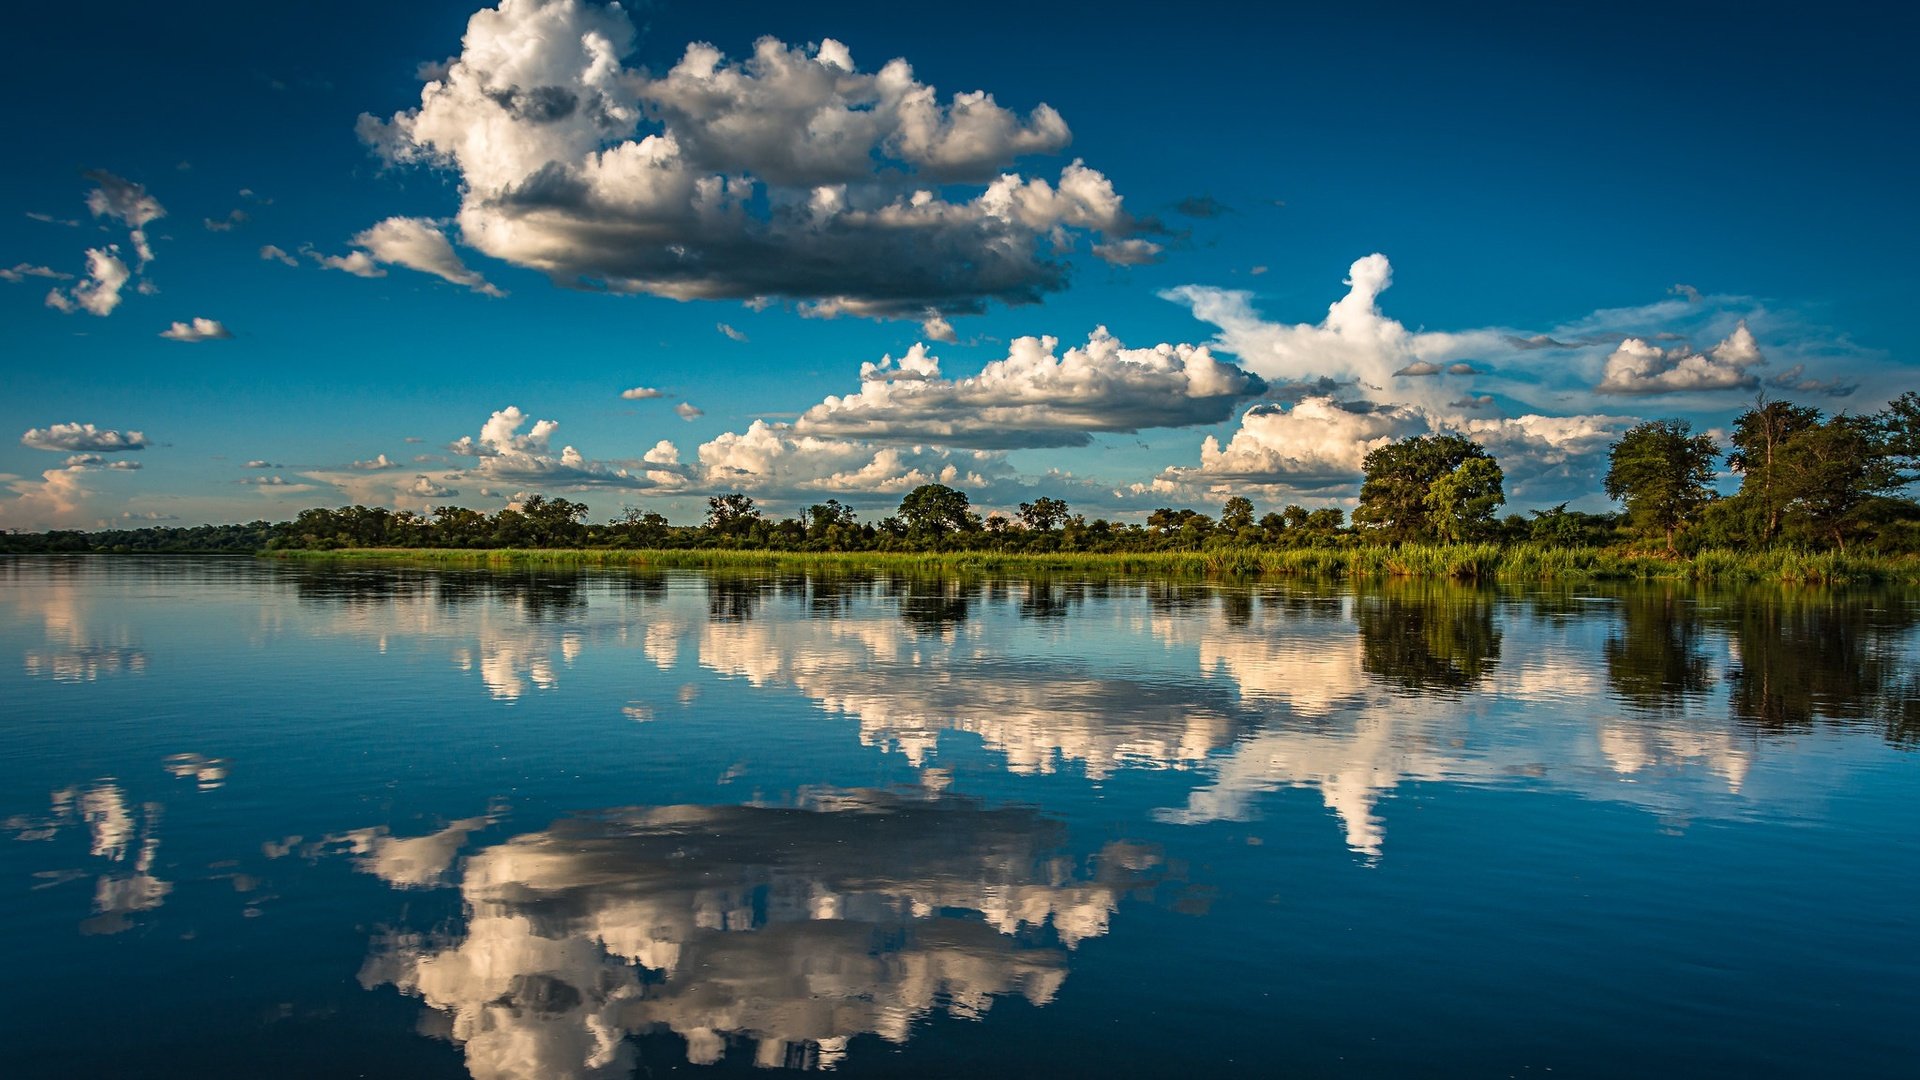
{"points": [[1806, 479]]}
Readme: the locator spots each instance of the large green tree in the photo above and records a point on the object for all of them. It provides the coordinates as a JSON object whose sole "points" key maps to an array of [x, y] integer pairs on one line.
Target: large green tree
{"points": [[1760, 437], [1832, 472], [933, 510], [1395, 501], [1662, 471]]}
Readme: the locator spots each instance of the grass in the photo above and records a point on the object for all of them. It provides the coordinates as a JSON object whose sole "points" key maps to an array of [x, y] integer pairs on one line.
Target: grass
{"points": [[1457, 562]]}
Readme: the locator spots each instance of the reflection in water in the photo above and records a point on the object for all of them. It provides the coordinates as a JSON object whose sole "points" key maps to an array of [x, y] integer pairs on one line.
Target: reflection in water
{"points": [[125, 839], [790, 929], [1822, 655], [1657, 657], [1423, 635], [71, 651], [1035, 712]]}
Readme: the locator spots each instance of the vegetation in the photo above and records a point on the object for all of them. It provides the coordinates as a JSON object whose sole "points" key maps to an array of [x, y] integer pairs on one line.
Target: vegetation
{"points": [[1820, 500]]}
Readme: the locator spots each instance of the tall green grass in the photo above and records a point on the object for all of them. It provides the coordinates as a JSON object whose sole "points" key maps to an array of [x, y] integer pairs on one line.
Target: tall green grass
{"points": [[1457, 562]]}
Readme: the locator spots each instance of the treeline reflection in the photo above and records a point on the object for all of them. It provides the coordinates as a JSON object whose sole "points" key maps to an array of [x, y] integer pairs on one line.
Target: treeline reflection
{"points": [[1785, 661]]}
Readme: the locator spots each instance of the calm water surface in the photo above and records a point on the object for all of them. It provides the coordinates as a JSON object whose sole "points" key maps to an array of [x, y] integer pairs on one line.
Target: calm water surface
{"points": [[271, 820]]}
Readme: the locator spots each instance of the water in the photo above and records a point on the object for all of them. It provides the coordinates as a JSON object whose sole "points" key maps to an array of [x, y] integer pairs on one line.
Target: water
{"points": [[275, 820]]}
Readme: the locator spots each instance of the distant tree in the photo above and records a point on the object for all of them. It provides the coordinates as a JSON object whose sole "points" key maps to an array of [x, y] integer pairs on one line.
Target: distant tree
{"points": [[1294, 515], [554, 522], [1760, 437], [935, 510], [731, 515], [1043, 514], [1400, 476], [1236, 514], [1661, 471], [822, 516], [1900, 424]]}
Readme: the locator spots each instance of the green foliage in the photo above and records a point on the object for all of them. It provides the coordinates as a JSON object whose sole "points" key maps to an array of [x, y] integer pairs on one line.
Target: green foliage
{"points": [[1661, 471], [934, 510], [1397, 495], [1043, 514]]}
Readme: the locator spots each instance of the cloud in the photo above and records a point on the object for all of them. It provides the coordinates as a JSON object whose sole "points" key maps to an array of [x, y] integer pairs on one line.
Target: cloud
{"points": [[234, 219], [642, 393], [507, 457], [730, 332], [357, 263], [276, 482], [415, 243], [687, 410], [99, 293], [129, 203], [381, 462], [1035, 396], [1419, 368], [1202, 206], [774, 459], [1132, 251], [1316, 444], [262, 463], [1692, 294], [936, 328], [790, 175], [424, 488], [197, 330], [82, 438], [125, 465], [1639, 367], [22, 271], [1796, 379], [51, 220], [55, 500], [275, 254]]}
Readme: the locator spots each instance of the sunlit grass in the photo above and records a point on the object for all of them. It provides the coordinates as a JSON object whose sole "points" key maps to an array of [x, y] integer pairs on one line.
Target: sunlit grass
{"points": [[1458, 562]]}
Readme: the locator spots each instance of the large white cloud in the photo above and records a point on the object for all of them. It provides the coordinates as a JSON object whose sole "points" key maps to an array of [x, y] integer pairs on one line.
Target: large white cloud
{"points": [[773, 460], [791, 174], [1035, 396], [79, 438], [1640, 367]]}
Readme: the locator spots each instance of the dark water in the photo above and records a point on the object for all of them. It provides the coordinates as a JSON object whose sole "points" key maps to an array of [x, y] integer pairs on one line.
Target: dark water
{"points": [[269, 821]]}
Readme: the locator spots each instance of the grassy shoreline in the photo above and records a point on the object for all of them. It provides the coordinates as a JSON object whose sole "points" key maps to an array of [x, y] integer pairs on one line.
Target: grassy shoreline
{"points": [[1459, 562]]}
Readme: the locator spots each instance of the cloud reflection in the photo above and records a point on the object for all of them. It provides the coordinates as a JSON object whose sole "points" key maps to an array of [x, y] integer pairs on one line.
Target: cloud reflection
{"points": [[776, 932]]}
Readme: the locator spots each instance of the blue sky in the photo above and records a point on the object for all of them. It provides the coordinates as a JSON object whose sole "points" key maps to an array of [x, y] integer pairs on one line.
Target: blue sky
{"points": [[1585, 217]]}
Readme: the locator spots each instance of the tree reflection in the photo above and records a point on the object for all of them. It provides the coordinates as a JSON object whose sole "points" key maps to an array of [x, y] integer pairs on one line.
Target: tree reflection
{"points": [[1426, 635], [933, 605], [1655, 656], [1802, 657]]}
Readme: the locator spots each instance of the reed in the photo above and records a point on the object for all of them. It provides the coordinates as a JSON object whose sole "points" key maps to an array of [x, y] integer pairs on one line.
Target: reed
{"points": [[1457, 562]]}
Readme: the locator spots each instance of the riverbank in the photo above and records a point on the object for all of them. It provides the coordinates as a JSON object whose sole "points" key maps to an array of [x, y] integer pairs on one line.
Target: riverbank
{"points": [[1459, 562]]}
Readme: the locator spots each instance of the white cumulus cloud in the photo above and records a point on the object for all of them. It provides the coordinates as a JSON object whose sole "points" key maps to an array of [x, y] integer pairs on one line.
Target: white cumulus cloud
{"points": [[789, 174], [198, 329], [82, 438], [1036, 396], [1640, 367]]}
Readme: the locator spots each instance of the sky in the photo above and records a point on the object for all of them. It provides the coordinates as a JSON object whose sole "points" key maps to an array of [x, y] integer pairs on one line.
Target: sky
{"points": [[255, 258]]}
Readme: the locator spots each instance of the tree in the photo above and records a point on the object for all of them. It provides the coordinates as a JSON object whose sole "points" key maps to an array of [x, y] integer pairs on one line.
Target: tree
{"points": [[1460, 504], [732, 514], [1661, 471], [1760, 436], [1236, 514], [1833, 471], [1043, 514], [1400, 476], [935, 510]]}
